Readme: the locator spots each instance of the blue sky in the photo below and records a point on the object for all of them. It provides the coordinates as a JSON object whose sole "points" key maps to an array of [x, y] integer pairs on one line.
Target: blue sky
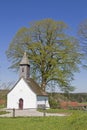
{"points": [[15, 14]]}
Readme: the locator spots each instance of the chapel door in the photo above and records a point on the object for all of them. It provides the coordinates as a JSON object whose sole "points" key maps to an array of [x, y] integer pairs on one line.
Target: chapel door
{"points": [[21, 103]]}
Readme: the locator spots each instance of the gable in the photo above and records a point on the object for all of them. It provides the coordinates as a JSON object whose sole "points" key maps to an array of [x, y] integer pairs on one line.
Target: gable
{"points": [[29, 85], [21, 87]]}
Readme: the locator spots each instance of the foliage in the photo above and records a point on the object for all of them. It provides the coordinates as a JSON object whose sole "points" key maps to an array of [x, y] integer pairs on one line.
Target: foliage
{"points": [[3, 94], [53, 103], [3, 98], [82, 36], [82, 32], [79, 97], [55, 99], [53, 54], [71, 100]]}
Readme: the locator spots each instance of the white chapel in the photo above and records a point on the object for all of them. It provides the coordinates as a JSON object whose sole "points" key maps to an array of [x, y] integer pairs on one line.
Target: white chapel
{"points": [[26, 93]]}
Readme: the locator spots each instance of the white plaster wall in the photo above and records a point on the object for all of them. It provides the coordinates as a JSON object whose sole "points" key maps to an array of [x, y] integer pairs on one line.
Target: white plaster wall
{"points": [[43, 100], [21, 90]]}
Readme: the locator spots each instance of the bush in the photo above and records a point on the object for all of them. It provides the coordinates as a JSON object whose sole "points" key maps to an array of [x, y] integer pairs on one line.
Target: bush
{"points": [[53, 103]]}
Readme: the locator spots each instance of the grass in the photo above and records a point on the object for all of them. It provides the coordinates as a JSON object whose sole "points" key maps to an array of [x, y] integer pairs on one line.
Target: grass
{"points": [[76, 121], [56, 110], [3, 112], [61, 111]]}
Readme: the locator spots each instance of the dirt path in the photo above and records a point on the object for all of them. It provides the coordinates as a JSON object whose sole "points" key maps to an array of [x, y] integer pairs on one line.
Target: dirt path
{"points": [[28, 113]]}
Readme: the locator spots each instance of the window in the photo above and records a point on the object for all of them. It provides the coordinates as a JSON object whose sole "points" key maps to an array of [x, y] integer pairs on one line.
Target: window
{"points": [[22, 69]]}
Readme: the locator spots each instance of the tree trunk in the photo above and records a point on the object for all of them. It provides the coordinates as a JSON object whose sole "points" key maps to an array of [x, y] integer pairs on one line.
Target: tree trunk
{"points": [[43, 86]]}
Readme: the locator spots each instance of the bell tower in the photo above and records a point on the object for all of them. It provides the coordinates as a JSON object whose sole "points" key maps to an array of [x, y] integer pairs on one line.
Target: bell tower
{"points": [[25, 67]]}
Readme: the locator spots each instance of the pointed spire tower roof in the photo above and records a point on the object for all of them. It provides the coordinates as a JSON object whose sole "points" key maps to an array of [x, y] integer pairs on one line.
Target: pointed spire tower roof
{"points": [[25, 60]]}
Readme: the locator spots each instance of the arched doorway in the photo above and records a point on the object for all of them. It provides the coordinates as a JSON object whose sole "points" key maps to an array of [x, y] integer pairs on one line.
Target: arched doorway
{"points": [[21, 103]]}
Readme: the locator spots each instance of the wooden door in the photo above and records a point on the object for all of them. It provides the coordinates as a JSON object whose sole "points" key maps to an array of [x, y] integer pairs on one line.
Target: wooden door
{"points": [[21, 103]]}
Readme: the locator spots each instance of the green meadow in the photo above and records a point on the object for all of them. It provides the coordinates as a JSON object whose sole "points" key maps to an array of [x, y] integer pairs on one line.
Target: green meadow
{"points": [[76, 120]]}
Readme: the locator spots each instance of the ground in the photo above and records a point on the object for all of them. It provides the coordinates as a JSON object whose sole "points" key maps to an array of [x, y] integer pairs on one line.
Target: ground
{"points": [[28, 112]]}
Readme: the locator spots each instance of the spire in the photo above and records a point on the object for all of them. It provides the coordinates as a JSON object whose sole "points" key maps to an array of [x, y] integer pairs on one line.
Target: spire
{"points": [[25, 60], [25, 67]]}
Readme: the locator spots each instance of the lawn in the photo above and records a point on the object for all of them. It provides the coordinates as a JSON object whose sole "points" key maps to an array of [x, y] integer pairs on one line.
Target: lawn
{"points": [[76, 121]]}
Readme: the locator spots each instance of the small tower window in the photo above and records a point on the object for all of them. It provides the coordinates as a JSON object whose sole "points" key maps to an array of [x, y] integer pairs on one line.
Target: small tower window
{"points": [[22, 69]]}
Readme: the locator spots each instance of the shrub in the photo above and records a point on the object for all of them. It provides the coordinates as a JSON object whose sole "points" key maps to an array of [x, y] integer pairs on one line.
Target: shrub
{"points": [[53, 103]]}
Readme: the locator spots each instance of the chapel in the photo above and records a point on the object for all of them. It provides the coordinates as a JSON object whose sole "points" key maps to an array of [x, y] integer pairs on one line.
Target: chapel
{"points": [[26, 93]]}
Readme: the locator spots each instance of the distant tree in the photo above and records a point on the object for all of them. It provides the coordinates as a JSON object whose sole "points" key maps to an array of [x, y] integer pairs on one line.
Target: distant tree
{"points": [[53, 54], [82, 33], [7, 86]]}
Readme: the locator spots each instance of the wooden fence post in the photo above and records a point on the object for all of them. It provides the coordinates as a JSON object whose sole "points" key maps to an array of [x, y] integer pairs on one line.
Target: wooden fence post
{"points": [[13, 112]]}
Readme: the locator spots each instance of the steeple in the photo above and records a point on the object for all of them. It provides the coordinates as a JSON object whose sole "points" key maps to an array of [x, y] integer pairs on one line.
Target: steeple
{"points": [[25, 67]]}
